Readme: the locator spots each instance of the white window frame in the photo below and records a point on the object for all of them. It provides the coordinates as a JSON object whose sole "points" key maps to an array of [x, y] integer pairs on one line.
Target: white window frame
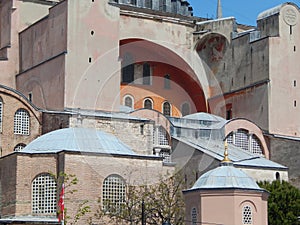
{"points": [[113, 193], [162, 107], [253, 143], [145, 101], [132, 100], [43, 189], [22, 122]]}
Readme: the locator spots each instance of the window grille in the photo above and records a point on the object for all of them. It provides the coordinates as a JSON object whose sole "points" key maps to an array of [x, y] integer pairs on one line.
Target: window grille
{"points": [[256, 146], [162, 136], [165, 154], [230, 138], [167, 109], [21, 122], [113, 195], [246, 141], [242, 139], [247, 215], [19, 147], [44, 195], [148, 104], [194, 216]]}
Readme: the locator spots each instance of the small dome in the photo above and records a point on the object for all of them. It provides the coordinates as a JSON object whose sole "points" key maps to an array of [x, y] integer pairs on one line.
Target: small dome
{"points": [[226, 176], [78, 139], [205, 117]]}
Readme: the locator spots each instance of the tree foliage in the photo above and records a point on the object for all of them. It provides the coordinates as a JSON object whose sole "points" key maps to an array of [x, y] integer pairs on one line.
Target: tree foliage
{"points": [[152, 204], [283, 203]]}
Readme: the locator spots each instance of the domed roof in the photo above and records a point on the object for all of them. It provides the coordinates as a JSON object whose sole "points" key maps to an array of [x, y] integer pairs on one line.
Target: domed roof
{"points": [[226, 176], [204, 116], [78, 139]]}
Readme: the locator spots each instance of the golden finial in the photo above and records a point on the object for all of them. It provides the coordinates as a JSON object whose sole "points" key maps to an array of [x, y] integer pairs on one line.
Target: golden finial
{"points": [[226, 159]]}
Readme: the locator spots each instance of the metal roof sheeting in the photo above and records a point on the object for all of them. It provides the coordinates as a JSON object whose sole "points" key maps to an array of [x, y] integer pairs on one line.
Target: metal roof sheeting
{"points": [[239, 157], [226, 176], [78, 139]]}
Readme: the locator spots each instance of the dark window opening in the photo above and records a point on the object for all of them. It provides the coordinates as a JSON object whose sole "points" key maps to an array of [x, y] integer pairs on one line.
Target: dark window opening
{"points": [[146, 74], [148, 4], [167, 81], [148, 104], [229, 114], [277, 176], [127, 69], [30, 97], [167, 109], [185, 110], [128, 102]]}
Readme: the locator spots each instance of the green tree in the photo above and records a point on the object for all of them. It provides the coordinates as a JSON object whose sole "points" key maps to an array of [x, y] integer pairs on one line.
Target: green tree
{"points": [[283, 203], [155, 204]]}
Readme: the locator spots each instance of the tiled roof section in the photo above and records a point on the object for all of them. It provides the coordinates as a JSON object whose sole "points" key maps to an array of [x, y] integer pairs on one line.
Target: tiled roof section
{"points": [[80, 140]]}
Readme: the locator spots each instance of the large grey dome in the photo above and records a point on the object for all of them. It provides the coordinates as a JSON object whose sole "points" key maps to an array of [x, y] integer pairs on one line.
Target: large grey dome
{"points": [[78, 139], [226, 176]]}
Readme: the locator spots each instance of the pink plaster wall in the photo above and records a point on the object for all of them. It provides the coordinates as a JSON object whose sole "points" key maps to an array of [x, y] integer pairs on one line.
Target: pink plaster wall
{"points": [[225, 206], [284, 71]]}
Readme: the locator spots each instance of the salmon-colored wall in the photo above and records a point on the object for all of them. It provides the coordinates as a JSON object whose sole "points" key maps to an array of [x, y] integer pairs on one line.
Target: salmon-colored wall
{"points": [[225, 206]]}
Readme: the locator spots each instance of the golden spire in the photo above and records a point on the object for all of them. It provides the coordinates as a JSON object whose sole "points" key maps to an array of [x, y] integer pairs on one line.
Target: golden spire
{"points": [[226, 159]]}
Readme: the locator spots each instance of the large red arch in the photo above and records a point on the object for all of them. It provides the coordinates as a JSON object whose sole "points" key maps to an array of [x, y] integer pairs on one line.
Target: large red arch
{"points": [[163, 61]]}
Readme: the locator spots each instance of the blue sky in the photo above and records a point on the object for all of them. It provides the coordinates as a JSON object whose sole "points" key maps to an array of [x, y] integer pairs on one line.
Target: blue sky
{"points": [[245, 12]]}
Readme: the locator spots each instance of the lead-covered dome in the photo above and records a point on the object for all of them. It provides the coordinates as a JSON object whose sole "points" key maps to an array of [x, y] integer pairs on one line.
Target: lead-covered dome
{"points": [[80, 140], [224, 177]]}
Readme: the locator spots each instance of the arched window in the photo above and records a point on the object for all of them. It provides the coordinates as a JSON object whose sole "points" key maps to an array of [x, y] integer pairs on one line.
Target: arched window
{"points": [[128, 101], [255, 145], [242, 139], [247, 215], [127, 68], [185, 109], [249, 142], [21, 122], [44, 195], [19, 147], [167, 109], [146, 74], [1, 113], [113, 193], [148, 104], [162, 138], [194, 216]]}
